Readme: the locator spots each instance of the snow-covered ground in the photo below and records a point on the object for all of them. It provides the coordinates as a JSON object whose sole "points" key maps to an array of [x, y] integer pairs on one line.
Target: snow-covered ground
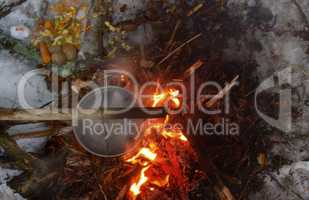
{"points": [[6, 193], [280, 48], [12, 68]]}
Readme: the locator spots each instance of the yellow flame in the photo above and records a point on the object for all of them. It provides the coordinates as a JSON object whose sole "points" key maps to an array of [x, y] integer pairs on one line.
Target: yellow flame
{"points": [[135, 188], [171, 94], [157, 98], [183, 138], [174, 97], [174, 93], [174, 134], [167, 119], [144, 152]]}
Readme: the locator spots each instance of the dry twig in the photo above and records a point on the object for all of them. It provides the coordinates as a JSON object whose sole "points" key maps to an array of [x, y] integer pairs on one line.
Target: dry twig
{"points": [[222, 93], [179, 48]]}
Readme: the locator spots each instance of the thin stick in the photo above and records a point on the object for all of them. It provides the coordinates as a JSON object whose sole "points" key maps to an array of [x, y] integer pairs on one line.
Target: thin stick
{"points": [[122, 194], [192, 68], [195, 9], [222, 93], [178, 23], [46, 133], [179, 48]]}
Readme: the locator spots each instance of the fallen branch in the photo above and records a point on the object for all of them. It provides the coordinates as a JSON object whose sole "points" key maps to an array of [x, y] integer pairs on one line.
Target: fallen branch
{"points": [[22, 159], [40, 174]]}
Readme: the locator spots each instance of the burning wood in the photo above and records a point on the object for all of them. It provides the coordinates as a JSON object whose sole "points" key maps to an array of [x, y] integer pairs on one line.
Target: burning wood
{"points": [[153, 158]]}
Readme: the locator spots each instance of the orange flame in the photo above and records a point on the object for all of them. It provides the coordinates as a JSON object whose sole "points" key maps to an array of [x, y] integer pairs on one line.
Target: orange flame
{"points": [[174, 134], [149, 153], [161, 183], [157, 98], [144, 152], [174, 97], [171, 94], [135, 188]]}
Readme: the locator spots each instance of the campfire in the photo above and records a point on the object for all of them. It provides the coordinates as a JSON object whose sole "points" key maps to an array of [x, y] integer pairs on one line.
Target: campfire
{"points": [[157, 154], [75, 50]]}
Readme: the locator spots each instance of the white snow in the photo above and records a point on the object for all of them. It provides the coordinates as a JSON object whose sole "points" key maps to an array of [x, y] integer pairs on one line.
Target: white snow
{"points": [[11, 71], [25, 14], [6, 193], [33, 145], [280, 48], [20, 32], [133, 7], [291, 182]]}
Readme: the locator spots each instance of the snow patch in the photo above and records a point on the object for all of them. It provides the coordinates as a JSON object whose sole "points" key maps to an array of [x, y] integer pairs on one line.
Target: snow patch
{"points": [[33, 145], [291, 182], [11, 71]]}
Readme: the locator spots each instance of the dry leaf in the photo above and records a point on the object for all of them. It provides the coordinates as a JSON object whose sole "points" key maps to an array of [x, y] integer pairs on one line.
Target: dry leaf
{"points": [[262, 160]]}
